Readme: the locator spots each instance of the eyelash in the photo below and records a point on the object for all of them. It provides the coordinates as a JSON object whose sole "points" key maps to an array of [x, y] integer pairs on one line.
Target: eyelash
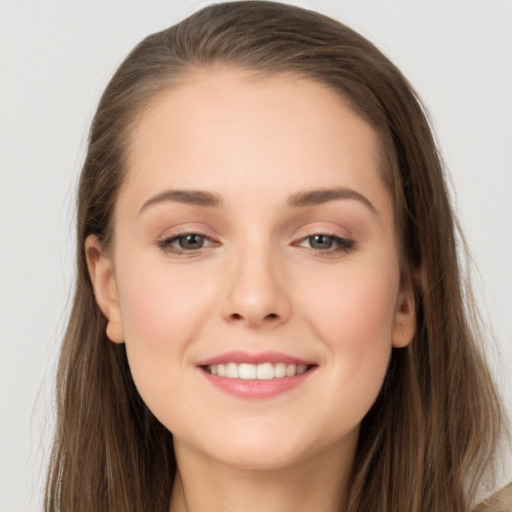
{"points": [[339, 244], [166, 244]]}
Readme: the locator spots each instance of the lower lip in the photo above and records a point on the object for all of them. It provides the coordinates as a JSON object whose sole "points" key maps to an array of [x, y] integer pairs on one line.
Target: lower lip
{"points": [[256, 388]]}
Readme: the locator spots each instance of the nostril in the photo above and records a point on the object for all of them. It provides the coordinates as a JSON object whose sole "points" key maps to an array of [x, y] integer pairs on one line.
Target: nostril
{"points": [[238, 316]]}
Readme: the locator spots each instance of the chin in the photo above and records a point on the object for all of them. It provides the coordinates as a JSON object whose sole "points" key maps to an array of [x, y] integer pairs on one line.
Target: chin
{"points": [[261, 459], [266, 449]]}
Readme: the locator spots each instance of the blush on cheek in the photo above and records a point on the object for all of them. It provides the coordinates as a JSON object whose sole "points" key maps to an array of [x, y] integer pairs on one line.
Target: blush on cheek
{"points": [[360, 313], [157, 306], [154, 361], [160, 318], [356, 321]]}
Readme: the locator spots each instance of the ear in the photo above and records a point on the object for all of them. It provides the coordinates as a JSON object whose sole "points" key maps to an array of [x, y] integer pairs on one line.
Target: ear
{"points": [[101, 272], [404, 325]]}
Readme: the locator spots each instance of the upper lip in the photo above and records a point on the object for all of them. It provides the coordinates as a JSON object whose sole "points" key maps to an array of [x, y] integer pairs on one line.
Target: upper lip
{"points": [[240, 356]]}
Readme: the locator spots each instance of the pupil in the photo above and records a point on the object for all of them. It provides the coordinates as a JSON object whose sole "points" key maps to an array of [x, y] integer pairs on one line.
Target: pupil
{"points": [[321, 242], [191, 241]]}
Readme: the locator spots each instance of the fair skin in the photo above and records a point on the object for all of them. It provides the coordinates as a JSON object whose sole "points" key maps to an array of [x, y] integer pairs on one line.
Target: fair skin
{"points": [[259, 269]]}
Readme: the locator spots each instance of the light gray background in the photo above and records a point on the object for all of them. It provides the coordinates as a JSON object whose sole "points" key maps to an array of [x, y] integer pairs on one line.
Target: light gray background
{"points": [[56, 57]]}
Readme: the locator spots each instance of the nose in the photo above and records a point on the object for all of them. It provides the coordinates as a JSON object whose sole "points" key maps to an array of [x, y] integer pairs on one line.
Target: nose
{"points": [[257, 290]]}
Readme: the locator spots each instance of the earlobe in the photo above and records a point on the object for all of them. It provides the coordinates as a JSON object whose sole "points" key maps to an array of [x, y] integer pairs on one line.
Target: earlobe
{"points": [[101, 273], [405, 318]]}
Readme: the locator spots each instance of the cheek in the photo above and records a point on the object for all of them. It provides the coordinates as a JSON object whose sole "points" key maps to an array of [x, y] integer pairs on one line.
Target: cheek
{"points": [[356, 307], [353, 315], [162, 313], [160, 304]]}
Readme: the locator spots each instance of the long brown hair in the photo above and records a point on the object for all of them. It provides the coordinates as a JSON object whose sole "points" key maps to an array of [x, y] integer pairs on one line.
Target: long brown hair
{"points": [[434, 429]]}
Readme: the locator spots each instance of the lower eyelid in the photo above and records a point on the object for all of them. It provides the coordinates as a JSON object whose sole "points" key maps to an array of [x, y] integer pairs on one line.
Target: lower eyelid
{"points": [[340, 244], [167, 243], [335, 238]]}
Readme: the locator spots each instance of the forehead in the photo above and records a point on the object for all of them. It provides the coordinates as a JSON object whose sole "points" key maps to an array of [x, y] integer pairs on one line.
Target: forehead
{"points": [[222, 127]]}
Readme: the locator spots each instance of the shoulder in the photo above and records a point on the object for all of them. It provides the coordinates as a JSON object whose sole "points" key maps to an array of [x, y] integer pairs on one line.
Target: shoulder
{"points": [[500, 501]]}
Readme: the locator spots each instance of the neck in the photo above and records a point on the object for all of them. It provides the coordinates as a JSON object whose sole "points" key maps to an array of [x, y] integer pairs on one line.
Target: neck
{"points": [[313, 484]]}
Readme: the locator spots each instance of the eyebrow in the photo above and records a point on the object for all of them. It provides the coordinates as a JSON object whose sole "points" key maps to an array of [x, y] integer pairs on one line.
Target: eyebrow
{"points": [[194, 197], [297, 200], [324, 195]]}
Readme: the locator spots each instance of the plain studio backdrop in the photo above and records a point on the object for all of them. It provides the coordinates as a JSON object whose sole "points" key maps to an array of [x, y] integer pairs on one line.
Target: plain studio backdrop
{"points": [[56, 58]]}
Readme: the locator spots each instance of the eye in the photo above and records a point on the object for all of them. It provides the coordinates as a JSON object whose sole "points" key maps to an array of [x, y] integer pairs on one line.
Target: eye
{"points": [[320, 241], [191, 242], [327, 244], [185, 243]]}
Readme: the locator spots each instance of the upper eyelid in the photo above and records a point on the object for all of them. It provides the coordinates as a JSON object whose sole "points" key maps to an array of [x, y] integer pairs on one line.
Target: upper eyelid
{"points": [[302, 236], [327, 232], [302, 233], [177, 236], [167, 244], [338, 239], [186, 231]]}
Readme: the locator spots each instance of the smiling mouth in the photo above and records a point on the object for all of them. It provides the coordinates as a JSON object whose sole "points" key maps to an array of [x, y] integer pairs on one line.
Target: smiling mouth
{"points": [[263, 371]]}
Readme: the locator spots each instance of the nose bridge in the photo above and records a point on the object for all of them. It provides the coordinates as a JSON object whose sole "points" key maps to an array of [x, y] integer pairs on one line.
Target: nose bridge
{"points": [[256, 288]]}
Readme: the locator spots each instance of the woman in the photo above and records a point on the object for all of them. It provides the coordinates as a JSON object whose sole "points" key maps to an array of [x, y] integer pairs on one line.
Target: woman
{"points": [[268, 310]]}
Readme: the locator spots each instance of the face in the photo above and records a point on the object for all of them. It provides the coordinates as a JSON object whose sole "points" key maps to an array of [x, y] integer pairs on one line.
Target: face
{"points": [[254, 272]]}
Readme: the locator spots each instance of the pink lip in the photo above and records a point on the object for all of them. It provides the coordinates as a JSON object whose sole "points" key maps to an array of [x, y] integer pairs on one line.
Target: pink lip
{"points": [[255, 388], [251, 389], [239, 356]]}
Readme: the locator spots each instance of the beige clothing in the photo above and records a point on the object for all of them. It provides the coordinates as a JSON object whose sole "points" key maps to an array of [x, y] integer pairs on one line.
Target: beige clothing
{"points": [[500, 501]]}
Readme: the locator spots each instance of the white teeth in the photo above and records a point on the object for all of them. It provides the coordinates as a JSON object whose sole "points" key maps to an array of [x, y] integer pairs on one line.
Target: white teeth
{"points": [[247, 371], [264, 371], [301, 368], [232, 370], [279, 370], [291, 369]]}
